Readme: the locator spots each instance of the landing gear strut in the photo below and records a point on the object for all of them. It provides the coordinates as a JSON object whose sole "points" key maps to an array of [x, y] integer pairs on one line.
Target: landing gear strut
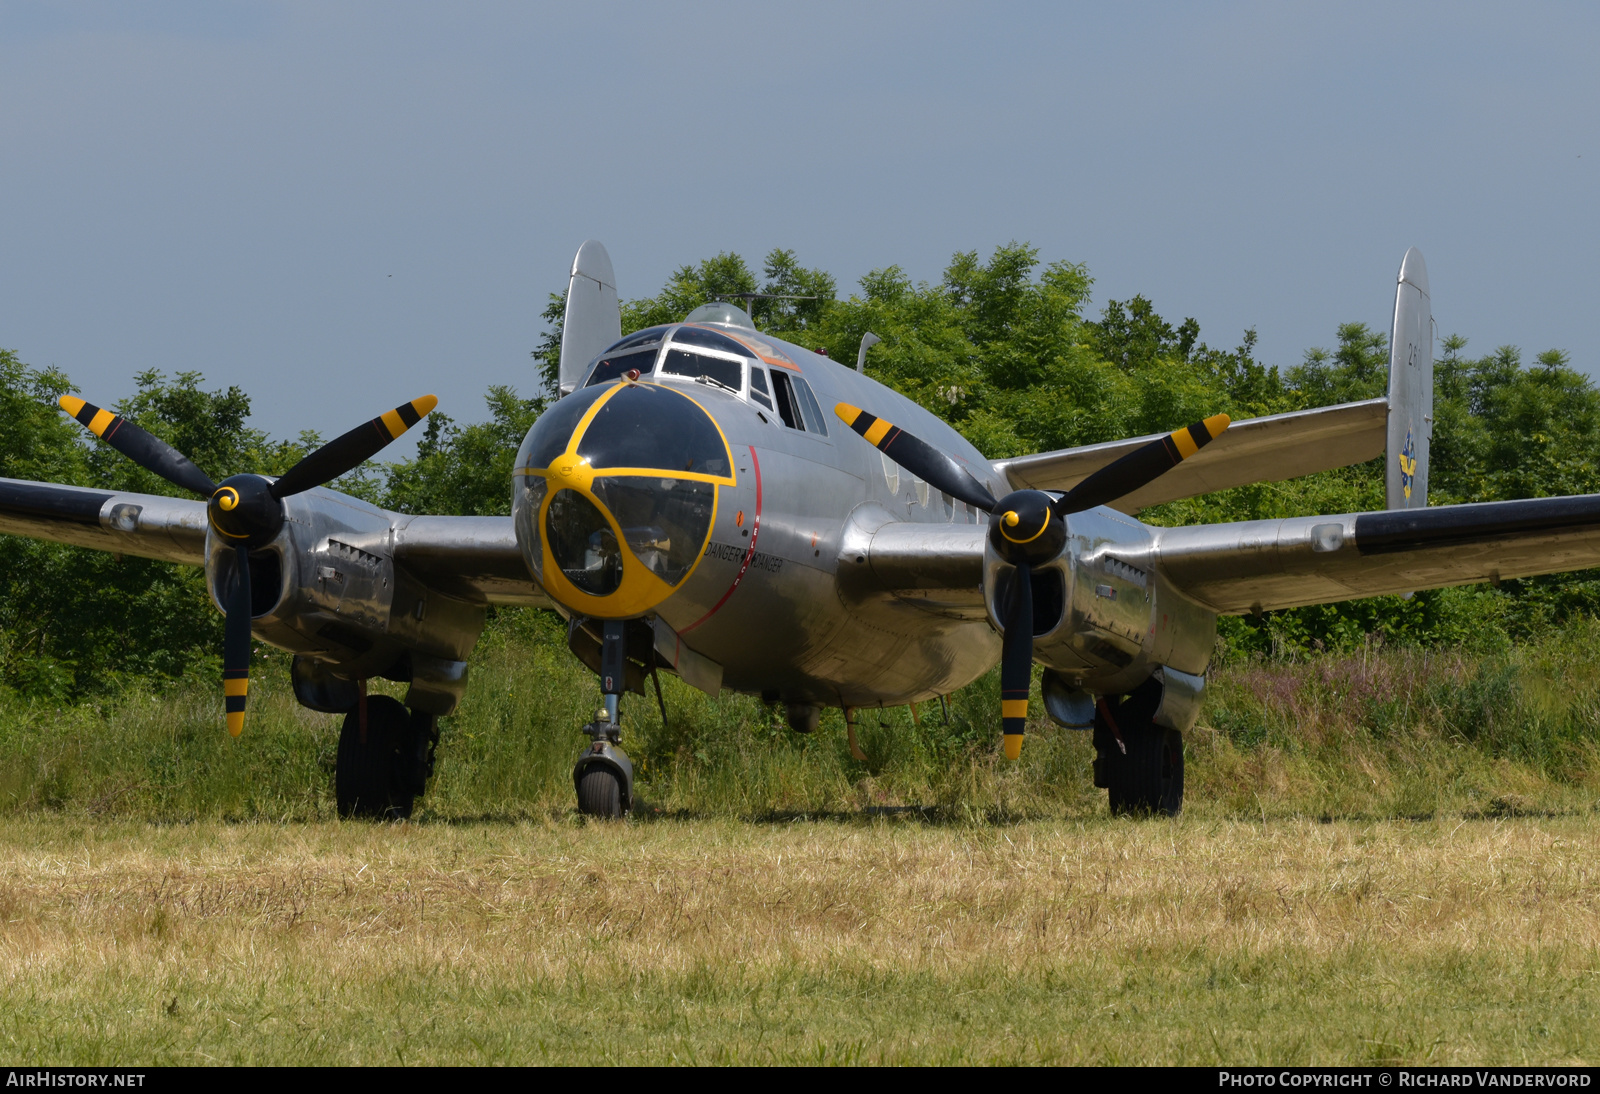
{"points": [[603, 774]]}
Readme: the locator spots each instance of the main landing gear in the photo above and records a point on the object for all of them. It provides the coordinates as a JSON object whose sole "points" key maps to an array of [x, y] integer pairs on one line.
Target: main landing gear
{"points": [[1138, 763], [385, 759]]}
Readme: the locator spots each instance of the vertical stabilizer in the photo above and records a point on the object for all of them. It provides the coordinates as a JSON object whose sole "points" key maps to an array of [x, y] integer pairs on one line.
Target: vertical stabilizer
{"points": [[593, 319], [1410, 388]]}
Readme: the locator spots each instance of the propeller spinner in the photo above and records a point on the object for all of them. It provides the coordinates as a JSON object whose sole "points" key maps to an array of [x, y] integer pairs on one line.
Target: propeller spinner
{"points": [[245, 510], [1028, 528]]}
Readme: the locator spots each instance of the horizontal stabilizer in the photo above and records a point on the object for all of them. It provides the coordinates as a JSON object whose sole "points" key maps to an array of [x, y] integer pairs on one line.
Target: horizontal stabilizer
{"points": [[1269, 449]]}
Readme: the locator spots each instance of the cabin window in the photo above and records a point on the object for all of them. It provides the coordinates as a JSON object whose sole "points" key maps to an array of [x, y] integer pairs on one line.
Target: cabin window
{"points": [[796, 405], [705, 369], [815, 422], [613, 367], [758, 387], [784, 395]]}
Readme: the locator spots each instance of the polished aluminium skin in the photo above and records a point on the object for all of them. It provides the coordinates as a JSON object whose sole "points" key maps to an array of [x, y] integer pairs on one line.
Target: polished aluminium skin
{"points": [[810, 568]]}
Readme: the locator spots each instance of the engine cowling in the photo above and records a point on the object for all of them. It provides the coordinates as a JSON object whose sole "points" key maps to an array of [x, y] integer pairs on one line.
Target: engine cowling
{"points": [[327, 589], [1105, 619]]}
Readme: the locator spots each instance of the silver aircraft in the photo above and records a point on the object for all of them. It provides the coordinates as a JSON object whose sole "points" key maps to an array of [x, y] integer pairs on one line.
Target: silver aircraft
{"points": [[706, 499]]}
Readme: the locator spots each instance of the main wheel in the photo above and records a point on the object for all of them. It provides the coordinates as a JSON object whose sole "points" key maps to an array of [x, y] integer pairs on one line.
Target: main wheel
{"points": [[599, 792], [1149, 779], [369, 780]]}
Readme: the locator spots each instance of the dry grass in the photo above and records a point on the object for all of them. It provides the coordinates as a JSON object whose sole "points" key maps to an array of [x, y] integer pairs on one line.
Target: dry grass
{"points": [[883, 940]]}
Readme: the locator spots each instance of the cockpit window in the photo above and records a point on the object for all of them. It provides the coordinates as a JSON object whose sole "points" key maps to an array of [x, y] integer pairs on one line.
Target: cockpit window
{"points": [[612, 367], [758, 386], [699, 366], [707, 339], [638, 338], [644, 425]]}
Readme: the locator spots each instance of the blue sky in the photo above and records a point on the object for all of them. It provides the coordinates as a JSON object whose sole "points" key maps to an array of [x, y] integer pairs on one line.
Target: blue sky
{"points": [[341, 206]]}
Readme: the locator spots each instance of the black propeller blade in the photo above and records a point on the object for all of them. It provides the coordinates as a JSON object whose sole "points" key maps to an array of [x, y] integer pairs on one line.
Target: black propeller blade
{"points": [[236, 642], [1141, 467], [148, 451], [1028, 528], [246, 510], [353, 449], [937, 469], [1016, 662]]}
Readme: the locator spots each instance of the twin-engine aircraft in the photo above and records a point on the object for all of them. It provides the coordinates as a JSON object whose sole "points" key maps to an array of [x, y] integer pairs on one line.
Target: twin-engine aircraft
{"points": [[706, 499]]}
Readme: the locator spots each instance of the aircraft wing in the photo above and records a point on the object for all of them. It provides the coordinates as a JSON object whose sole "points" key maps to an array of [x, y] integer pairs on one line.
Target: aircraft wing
{"points": [[1261, 565], [146, 525], [1280, 446], [475, 557], [471, 557]]}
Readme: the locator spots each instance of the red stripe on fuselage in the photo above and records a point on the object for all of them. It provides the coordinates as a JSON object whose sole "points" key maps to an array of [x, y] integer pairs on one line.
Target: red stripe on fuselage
{"points": [[750, 552]]}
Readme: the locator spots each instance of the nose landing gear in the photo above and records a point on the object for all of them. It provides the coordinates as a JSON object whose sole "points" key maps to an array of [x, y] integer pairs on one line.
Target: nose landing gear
{"points": [[603, 774]]}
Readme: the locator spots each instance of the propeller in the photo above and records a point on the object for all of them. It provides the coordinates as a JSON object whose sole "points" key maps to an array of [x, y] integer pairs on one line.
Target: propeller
{"points": [[1028, 528], [245, 510]]}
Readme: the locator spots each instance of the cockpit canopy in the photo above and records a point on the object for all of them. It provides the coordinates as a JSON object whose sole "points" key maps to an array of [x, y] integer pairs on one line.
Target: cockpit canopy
{"points": [[732, 357]]}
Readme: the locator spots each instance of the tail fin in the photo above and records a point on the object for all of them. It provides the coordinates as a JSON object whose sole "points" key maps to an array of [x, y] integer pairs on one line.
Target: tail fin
{"points": [[593, 319], [1410, 388]]}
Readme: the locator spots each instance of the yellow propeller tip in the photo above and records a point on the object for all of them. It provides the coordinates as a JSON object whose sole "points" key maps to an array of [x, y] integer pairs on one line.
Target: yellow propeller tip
{"points": [[235, 724], [71, 404], [1217, 424], [1013, 746], [425, 404], [847, 413]]}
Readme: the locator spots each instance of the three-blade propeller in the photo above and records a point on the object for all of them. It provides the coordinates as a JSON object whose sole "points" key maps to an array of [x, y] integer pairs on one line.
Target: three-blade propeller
{"points": [[245, 510], [1028, 528]]}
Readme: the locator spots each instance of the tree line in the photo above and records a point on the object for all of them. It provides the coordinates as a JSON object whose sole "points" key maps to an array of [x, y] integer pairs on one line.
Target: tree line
{"points": [[1005, 349]]}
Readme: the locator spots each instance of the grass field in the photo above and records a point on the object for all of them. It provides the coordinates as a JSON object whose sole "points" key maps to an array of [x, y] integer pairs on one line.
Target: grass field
{"points": [[874, 940], [1386, 855]]}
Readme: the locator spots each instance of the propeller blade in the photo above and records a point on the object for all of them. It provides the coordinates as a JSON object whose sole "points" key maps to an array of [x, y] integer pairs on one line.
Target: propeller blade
{"points": [[353, 449], [148, 451], [1140, 467], [1016, 662], [926, 462], [236, 642]]}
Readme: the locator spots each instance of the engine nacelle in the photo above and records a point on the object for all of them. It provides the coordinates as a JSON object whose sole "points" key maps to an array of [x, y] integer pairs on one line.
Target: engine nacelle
{"points": [[1104, 618], [327, 589]]}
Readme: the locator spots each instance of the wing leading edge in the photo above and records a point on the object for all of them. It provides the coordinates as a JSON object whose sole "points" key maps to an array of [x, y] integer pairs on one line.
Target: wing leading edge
{"points": [[1264, 565]]}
